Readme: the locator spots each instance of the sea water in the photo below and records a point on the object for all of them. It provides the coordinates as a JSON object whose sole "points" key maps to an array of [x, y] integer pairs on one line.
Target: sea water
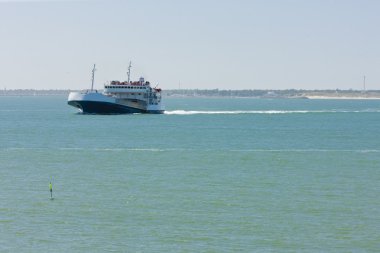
{"points": [[209, 175]]}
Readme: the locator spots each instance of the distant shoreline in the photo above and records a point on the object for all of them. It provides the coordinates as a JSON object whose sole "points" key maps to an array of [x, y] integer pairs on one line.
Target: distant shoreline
{"points": [[216, 93]]}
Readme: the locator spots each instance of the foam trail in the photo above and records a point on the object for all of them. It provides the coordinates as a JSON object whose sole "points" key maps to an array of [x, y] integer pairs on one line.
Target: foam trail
{"points": [[183, 112]]}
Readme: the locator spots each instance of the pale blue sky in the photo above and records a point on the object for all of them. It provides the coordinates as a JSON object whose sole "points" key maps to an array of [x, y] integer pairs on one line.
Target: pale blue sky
{"points": [[205, 44]]}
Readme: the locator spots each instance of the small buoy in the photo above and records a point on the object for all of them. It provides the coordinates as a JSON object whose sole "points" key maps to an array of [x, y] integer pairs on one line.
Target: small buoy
{"points": [[51, 190]]}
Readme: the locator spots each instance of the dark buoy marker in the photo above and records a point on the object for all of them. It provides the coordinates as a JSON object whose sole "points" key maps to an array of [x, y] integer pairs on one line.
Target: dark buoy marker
{"points": [[51, 190]]}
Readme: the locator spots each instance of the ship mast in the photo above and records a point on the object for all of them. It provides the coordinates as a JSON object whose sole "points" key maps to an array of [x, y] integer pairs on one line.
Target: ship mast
{"points": [[93, 77], [363, 83], [129, 71]]}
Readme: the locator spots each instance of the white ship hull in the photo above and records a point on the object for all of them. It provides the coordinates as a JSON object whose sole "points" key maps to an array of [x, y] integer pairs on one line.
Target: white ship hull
{"points": [[98, 103]]}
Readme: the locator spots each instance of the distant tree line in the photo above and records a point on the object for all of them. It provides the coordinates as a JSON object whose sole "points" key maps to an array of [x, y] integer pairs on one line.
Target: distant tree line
{"points": [[290, 93]]}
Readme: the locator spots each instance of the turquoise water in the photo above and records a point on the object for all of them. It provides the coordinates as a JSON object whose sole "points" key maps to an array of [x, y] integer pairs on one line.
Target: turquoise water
{"points": [[211, 175]]}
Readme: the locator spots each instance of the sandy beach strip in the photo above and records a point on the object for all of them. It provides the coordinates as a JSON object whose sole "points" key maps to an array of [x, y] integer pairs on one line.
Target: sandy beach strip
{"points": [[338, 97]]}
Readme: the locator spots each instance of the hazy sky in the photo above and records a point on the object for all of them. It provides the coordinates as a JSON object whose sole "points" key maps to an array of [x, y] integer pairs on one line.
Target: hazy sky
{"points": [[203, 44]]}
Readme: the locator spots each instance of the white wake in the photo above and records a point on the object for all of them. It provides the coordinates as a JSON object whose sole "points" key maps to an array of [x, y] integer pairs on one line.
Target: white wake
{"points": [[183, 112]]}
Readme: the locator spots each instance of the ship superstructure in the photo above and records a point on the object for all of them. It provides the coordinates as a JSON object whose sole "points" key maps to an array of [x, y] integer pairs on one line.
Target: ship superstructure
{"points": [[119, 97]]}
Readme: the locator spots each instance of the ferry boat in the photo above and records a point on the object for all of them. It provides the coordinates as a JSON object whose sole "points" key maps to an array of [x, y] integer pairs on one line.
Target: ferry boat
{"points": [[119, 98]]}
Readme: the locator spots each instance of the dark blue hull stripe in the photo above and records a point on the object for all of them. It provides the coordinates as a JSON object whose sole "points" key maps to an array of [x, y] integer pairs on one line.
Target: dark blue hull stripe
{"points": [[93, 107]]}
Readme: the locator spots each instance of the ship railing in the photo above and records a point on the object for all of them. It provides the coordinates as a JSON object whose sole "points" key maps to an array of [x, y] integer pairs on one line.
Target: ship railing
{"points": [[137, 83]]}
